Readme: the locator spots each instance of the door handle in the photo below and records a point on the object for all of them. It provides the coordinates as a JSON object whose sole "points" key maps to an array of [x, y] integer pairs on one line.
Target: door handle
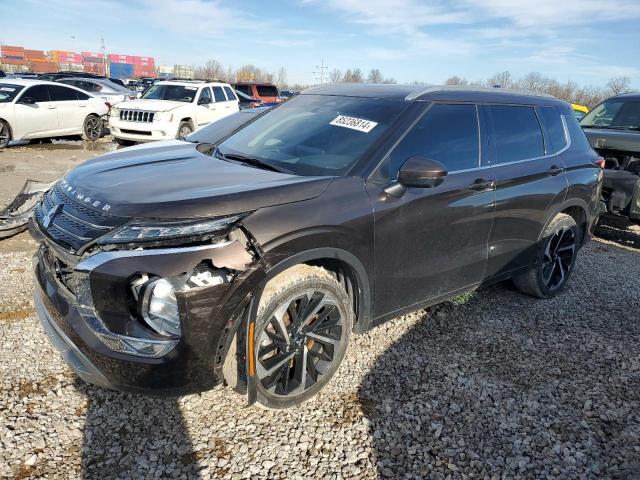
{"points": [[51, 107], [555, 170], [481, 184]]}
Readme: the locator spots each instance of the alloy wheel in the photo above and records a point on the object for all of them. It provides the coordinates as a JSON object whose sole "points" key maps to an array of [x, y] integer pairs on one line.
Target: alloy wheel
{"points": [[185, 130], [558, 258], [92, 128], [4, 135], [297, 344]]}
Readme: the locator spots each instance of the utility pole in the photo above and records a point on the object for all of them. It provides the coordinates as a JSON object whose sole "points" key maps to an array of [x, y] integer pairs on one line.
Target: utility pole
{"points": [[320, 70], [107, 73]]}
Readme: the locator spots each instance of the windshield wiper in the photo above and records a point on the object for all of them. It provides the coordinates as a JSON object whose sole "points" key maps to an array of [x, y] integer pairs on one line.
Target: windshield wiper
{"points": [[256, 162]]}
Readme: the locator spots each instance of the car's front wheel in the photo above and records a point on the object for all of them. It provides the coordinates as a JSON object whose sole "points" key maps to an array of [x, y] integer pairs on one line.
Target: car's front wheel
{"points": [[302, 331], [92, 128], [5, 134], [185, 129], [555, 259]]}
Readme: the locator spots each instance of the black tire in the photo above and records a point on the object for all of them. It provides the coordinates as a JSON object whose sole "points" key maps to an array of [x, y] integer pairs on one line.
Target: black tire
{"points": [[184, 129], [555, 259], [123, 142], [5, 134], [92, 128], [317, 341]]}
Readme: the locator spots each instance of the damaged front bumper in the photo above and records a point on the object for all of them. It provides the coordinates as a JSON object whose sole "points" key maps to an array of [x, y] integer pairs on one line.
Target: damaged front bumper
{"points": [[85, 307], [621, 193]]}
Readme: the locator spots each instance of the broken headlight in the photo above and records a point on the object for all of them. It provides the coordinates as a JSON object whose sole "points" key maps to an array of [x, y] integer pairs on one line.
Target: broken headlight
{"points": [[153, 231]]}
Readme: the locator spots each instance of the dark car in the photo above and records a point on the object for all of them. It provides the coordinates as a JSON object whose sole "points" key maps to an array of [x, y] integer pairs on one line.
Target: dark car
{"points": [[53, 77], [613, 129], [252, 258]]}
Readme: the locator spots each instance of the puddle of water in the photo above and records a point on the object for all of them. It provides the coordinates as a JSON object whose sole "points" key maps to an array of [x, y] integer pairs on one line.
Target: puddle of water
{"points": [[7, 168], [66, 144]]}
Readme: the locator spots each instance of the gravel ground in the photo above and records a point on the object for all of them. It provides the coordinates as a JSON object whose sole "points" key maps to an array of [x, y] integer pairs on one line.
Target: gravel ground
{"points": [[493, 385]]}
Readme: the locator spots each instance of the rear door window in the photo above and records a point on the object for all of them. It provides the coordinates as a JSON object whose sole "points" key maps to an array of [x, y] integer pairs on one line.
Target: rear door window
{"points": [[555, 129], [517, 133], [219, 94], [230, 95], [59, 93], [246, 89], [267, 90], [446, 133]]}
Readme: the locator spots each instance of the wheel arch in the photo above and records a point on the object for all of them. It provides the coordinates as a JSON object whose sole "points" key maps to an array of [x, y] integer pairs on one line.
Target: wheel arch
{"points": [[8, 124], [578, 210]]}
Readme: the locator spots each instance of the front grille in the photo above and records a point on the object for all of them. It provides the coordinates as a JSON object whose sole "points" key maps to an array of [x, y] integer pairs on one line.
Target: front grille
{"points": [[136, 116], [74, 225]]}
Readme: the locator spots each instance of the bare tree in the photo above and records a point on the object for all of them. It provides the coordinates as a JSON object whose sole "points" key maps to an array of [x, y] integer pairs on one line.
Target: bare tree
{"points": [[389, 80], [335, 76], [501, 79], [211, 70], [357, 75], [455, 80], [375, 76], [618, 85], [281, 78]]}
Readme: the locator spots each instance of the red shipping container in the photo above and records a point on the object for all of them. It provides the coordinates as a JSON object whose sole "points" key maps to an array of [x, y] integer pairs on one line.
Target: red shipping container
{"points": [[9, 48], [93, 55], [44, 67], [95, 68], [12, 61]]}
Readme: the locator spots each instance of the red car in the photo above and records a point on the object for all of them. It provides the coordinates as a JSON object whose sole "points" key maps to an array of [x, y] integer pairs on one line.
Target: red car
{"points": [[266, 92]]}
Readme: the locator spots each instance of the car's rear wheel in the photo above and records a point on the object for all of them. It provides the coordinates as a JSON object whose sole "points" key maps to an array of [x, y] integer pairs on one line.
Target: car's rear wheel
{"points": [[555, 259], [5, 134], [92, 128], [302, 331], [184, 130]]}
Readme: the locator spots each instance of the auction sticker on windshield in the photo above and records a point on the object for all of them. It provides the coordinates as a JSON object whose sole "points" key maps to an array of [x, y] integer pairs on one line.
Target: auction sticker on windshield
{"points": [[359, 124]]}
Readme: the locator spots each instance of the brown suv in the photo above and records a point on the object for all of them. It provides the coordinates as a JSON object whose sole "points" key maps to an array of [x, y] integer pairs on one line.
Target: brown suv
{"points": [[266, 92]]}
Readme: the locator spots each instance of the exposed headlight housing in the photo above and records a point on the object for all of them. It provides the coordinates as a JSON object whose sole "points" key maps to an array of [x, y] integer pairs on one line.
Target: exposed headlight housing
{"points": [[159, 308], [163, 116], [156, 231]]}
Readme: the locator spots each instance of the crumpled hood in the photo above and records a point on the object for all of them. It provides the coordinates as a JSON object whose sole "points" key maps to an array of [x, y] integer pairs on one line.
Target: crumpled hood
{"points": [[625, 140], [172, 179], [152, 105]]}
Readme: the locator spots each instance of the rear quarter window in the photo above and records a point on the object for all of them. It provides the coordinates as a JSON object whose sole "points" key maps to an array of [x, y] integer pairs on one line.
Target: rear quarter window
{"points": [[578, 138], [552, 120], [517, 133]]}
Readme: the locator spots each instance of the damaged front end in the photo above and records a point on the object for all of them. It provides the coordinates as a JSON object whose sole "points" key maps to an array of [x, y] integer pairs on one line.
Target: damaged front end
{"points": [[621, 185], [145, 307]]}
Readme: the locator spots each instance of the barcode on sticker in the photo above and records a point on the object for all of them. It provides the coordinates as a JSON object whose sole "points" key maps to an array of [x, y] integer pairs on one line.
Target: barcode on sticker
{"points": [[354, 123]]}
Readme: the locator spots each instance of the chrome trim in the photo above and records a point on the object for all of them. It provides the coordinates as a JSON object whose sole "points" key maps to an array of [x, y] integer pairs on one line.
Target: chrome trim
{"points": [[100, 258]]}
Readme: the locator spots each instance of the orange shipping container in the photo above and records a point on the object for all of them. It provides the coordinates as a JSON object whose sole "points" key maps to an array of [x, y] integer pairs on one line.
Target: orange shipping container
{"points": [[34, 54], [9, 48], [44, 67], [10, 61]]}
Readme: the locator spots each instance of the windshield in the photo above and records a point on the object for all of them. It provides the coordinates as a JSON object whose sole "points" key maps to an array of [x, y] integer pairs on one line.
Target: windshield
{"points": [[8, 92], [315, 134], [178, 93], [614, 114]]}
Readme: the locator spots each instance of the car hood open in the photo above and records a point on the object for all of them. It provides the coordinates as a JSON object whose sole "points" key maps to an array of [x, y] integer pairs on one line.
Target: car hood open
{"points": [[172, 179], [624, 140]]}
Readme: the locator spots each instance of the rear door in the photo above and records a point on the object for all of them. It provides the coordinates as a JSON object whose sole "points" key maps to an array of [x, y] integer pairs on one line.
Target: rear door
{"points": [[220, 102], [72, 110], [433, 241], [37, 119], [231, 105], [530, 184]]}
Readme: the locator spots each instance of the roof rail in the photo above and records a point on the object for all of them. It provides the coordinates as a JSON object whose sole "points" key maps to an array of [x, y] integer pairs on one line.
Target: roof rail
{"points": [[467, 88]]}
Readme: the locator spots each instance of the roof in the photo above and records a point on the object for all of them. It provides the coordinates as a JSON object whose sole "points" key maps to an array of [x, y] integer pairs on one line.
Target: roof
{"points": [[189, 82], [629, 96], [420, 92], [26, 82]]}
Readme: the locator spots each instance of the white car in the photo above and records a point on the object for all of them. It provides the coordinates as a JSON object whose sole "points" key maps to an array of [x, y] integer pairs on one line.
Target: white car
{"points": [[103, 88], [172, 109], [32, 109]]}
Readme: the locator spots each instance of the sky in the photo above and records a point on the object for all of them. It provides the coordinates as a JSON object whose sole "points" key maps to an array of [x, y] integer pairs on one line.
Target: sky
{"points": [[587, 41]]}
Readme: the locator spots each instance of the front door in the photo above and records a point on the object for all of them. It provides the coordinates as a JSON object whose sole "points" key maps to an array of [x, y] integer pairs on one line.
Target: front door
{"points": [[433, 241], [37, 119], [206, 113]]}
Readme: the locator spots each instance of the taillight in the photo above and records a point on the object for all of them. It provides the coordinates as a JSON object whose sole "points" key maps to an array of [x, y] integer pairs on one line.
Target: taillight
{"points": [[600, 162], [254, 104], [108, 105]]}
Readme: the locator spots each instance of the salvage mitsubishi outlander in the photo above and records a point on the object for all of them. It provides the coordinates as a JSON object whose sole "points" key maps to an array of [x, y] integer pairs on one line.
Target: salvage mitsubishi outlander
{"points": [[249, 259]]}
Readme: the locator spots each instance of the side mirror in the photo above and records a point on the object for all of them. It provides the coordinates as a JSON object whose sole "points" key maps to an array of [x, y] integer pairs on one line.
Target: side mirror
{"points": [[27, 101], [421, 172], [204, 101]]}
